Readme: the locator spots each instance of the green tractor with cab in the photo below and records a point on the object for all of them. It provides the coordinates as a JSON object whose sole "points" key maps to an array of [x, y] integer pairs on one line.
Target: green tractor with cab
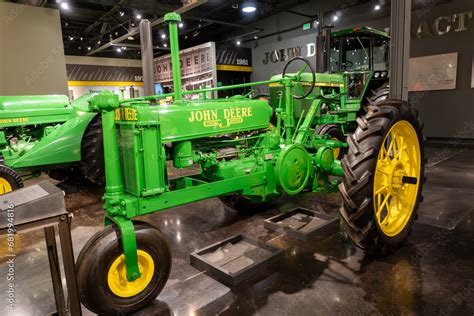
{"points": [[252, 149]]}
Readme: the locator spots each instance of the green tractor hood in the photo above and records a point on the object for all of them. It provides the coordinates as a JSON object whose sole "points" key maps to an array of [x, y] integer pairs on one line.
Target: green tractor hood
{"points": [[38, 109]]}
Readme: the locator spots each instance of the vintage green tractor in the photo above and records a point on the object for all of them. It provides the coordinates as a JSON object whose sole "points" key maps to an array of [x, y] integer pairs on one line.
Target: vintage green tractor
{"points": [[48, 133], [238, 151]]}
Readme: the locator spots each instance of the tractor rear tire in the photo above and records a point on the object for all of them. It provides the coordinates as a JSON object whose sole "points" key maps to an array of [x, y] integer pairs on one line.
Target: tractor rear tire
{"points": [[9, 180], [334, 133], [377, 95], [384, 176], [103, 287], [92, 150]]}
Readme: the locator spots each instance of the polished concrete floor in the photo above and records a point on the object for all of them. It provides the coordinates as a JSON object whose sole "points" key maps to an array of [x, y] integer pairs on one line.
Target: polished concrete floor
{"points": [[433, 273]]}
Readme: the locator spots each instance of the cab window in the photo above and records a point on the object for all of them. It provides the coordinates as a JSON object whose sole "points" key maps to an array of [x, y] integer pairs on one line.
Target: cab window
{"points": [[356, 54], [381, 49]]}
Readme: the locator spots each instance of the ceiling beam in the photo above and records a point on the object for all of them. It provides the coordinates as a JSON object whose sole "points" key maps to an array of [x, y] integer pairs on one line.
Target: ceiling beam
{"points": [[154, 23], [104, 16]]}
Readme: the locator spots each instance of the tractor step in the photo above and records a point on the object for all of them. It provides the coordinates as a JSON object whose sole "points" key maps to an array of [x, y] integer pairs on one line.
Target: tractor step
{"points": [[237, 259], [303, 224]]}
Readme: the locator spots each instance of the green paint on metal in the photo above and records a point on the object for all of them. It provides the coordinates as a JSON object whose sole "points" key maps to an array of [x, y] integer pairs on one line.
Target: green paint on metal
{"points": [[359, 30], [234, 141]]}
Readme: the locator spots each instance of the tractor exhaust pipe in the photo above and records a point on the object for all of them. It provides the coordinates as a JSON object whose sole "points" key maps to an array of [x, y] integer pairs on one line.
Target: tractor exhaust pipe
{"points": [[174, 19], [323, 49]]}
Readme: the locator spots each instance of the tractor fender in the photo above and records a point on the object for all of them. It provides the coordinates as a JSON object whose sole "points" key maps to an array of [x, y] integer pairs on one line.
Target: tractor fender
{"points": [[63, 145]]}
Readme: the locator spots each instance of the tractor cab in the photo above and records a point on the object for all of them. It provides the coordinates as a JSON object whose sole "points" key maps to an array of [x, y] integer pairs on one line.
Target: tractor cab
{"points": [[363, 54], [354, 65]]}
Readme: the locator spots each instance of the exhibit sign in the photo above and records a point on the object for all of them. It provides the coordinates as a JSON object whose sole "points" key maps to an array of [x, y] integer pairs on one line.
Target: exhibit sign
{"points": [[103, 73], [198, 68], [442, 25], [93, 74], [436, 72], [231, 58]]}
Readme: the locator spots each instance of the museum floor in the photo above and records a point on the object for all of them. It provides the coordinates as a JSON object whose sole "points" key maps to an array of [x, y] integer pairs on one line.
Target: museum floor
{"points": [[432, 274]]}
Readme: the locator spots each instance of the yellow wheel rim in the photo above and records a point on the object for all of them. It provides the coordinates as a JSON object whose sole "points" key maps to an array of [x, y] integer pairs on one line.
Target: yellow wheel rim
{"points": [[5, 186], [117, 275], [399, 160], [336, 151]]}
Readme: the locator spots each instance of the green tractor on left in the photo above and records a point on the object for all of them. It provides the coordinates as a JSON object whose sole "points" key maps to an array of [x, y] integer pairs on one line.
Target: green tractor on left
{"points": [[48, 133]]}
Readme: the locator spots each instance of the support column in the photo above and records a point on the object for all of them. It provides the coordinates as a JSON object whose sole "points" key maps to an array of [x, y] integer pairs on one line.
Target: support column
{"points": [[146, 46], [400, 21]]}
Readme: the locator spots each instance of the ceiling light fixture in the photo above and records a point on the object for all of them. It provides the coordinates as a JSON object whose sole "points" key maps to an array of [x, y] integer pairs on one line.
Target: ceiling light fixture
{"points": [[377, 7], [335, 18], [89, 48], [64, 5], [249, 7], [163, 36], [138, 16], [119, 50], [181, 24], [71, 38], [130, 38], [122, 13], [165, 45], [238, 43]]}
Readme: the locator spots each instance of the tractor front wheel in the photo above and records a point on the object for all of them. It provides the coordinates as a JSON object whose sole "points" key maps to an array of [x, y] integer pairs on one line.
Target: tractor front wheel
{"points": [[101, 272], [9, 180], [384, 175]]}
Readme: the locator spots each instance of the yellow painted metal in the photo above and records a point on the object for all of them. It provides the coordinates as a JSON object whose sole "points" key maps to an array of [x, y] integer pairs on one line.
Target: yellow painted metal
{"points": [[117, 275], [104, 83], [336, 150], [234, 68], [5, 186], [399, 157]]}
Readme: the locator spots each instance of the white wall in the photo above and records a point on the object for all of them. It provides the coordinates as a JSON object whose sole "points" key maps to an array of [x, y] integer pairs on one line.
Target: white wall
{"points": [[31, 51]]}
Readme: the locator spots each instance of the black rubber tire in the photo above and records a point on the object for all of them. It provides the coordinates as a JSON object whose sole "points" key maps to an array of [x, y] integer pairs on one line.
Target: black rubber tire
{"points": [[359, 169], [98, 254], [92, 152], [376, 95], [242, 205], [11, 176], [334, 132]]}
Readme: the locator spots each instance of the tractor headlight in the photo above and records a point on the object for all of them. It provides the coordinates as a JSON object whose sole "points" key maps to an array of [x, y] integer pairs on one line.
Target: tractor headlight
{"points": [[376, 74]]}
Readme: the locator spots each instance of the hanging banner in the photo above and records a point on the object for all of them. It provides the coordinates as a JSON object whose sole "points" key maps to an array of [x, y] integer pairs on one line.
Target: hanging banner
{"points": [[198, 68]]}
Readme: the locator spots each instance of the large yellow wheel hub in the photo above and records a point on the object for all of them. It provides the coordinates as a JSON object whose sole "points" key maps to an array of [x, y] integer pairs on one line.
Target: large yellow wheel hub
{"points": [[397, 177], [5, 186], [117, 275]]}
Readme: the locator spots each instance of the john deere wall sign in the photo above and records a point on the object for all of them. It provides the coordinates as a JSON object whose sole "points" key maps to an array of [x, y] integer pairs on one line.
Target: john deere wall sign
{"points": [[269, 59], [198, 67], [284, 54], [442, 25]]}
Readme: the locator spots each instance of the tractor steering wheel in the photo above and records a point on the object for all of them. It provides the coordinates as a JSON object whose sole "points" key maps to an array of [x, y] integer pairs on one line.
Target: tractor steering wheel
{"points": [[298, 76]]}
